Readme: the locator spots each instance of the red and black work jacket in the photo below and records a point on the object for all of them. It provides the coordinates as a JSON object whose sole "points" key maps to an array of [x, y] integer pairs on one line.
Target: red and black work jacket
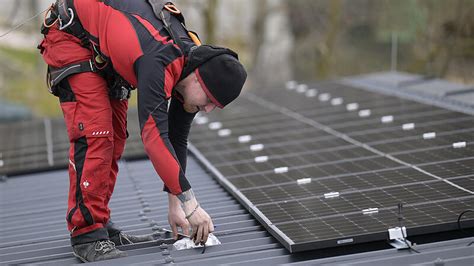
{"points": [[142, 52]]}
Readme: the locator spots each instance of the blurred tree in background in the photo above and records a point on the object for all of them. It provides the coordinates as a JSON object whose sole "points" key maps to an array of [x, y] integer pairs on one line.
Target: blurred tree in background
{"points": [[342, 37], [279, 40]]}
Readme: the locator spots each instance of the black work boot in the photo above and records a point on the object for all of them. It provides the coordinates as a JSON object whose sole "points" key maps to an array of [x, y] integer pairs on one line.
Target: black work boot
{"points": [[121, 238], [96, 251], [117, 236]]}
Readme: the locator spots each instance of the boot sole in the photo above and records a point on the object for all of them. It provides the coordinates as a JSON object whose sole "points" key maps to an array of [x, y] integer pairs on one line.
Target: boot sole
{"points": [[79, 257], [86, 261]]}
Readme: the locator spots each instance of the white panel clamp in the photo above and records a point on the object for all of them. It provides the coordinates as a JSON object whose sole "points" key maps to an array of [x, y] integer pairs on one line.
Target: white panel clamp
{"points": [[458, 145], [408, 126], [398, 238], [201, 120], [345, 241], [291, 85], [365, 113], [352, 106], [397, 233], [331, 195], [324, 97], [337, 101], [224, 132], [301, 88], [215, 125], [370, 211], [303, 181], [387, 119], [256, 147], [429, 135], [311, 93], [261, 159], [245, 138], [280, 170]]}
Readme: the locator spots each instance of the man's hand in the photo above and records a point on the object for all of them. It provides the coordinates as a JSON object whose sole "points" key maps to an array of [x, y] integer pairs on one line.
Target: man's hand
{"points": [[176, 216], [200, 221]]}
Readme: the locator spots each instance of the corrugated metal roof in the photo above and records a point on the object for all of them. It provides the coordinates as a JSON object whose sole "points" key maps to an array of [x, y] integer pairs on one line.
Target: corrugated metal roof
{"points": [[33, 209]]}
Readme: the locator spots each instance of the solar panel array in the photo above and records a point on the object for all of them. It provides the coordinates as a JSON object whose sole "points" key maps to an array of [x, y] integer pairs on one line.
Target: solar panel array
{"points": [[327, 164], [42, 144]]}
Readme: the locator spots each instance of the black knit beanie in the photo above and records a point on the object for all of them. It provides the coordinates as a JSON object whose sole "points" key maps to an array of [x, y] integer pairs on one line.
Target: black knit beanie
{"points": [[219, 72]]}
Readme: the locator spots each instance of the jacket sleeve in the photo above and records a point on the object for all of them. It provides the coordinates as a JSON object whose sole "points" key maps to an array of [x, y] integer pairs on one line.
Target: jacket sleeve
{"points": [[179, 126], [154, 88]]}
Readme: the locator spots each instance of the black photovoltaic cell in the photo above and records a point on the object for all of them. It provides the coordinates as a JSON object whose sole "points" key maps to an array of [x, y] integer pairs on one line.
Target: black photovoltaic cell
{"points": [[408, 118], [327, 176], [315, 156], [354, 228], [348, 117], [276, 138], [417, 142], [342, 183], [269, 177], [462, 167], [316, 207], [225, 156], [436, 155], [394, 130], [467, 182]]}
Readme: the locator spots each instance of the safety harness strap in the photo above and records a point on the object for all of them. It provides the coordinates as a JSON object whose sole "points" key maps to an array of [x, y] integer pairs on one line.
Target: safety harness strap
{"points": [[164, 15], [64, 12], [69, 23], [58, 74]]}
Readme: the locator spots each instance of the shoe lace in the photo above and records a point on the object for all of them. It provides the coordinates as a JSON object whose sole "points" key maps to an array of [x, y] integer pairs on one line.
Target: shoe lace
{"points": [[104, 246], [124, 236]]}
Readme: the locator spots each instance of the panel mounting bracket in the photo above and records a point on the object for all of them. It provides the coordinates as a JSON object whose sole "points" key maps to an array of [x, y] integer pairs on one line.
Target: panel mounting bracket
{"points": [[397, 236], [400, 244]]}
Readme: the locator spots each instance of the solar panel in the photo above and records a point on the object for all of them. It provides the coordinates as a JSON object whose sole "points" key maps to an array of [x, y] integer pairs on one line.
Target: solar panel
{"points": [[327, 164]]}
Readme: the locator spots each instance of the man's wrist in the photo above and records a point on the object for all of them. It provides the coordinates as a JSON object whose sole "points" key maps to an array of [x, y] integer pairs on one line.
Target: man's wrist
{"points": [[186, 196], [173, 201]]}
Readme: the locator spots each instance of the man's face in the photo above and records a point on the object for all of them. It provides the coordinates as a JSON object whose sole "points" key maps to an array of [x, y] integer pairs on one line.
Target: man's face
{"points": [[195, 99]]}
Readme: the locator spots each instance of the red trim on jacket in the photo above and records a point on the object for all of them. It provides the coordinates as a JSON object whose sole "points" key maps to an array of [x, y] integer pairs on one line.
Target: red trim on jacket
{"points": [[163, 161], [153, 31], [117, 37], [172, 74]]}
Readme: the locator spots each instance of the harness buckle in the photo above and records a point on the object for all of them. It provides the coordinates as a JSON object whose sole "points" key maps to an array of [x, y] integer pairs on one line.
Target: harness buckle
{"points": [[61, 26], [172, 8], [50, 12]]}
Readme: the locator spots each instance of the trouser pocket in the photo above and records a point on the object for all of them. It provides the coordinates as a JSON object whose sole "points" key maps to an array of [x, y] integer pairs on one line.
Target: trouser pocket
{"points": [[69, 112]]}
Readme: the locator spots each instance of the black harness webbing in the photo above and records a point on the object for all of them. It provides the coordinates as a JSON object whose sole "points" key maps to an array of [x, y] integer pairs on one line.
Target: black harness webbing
{"points": [[58, 74], [164, 15], [68, 21], [65, 13]]}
